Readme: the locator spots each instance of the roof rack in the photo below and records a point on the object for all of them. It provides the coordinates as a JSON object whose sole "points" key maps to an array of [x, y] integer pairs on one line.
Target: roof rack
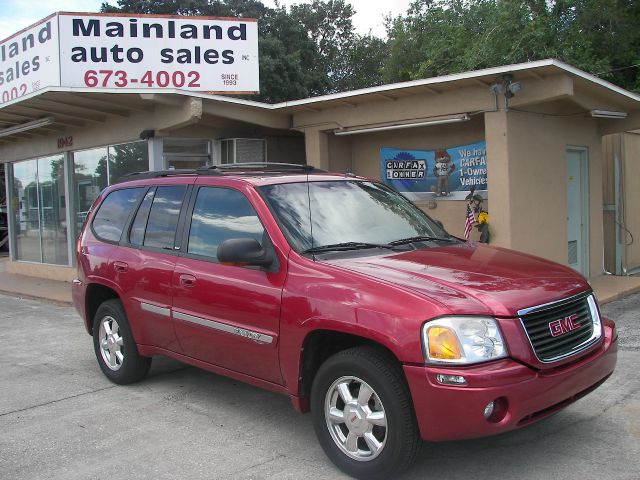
{"points": [[271, 167], [162, 173], [221, 169]]}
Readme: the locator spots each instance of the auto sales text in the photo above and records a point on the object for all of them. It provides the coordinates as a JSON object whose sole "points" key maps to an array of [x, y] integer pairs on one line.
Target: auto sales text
{"points": [[132, 28]]}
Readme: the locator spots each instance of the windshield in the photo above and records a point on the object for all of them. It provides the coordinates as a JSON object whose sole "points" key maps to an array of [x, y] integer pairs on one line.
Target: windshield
{"points": [[317, 214]]}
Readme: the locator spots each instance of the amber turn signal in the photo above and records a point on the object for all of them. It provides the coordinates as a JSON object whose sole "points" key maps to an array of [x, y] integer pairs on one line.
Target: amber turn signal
{"points": [[443, 344]]}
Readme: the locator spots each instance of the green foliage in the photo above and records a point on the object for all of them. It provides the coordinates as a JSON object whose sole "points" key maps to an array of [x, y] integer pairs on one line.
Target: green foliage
{"points": [[438, 37], [313, 49]]}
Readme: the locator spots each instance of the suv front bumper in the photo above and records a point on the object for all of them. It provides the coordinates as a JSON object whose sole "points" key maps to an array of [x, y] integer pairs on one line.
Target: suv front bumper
{"points": [[448, 412]]}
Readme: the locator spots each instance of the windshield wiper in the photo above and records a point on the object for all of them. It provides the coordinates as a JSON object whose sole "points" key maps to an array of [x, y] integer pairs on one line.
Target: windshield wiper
{"points": [[421, 238], [344, 246]]}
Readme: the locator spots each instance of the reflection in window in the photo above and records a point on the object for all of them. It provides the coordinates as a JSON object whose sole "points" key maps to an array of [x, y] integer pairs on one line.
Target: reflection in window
{"points": [[127, 158], [89, 178], [163, 218], [136, 234], [114, 213], [345, 211], [39, 209], [218, 215], [97, 168]]}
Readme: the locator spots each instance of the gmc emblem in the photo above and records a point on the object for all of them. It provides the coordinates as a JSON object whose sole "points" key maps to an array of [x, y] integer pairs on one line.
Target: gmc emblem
{"points": [[564, 325]]}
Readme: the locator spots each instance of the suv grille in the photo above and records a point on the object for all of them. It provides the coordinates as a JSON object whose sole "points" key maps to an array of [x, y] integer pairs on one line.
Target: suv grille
{"points": [[562, 328]]}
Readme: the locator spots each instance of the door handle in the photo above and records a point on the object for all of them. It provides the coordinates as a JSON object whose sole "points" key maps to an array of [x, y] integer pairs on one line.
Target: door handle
{"points": [[120, 266], [187, 280]]}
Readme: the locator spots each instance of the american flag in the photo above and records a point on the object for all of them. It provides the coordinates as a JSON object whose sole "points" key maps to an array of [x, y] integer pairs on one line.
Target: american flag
{"points": [[469, 222]]}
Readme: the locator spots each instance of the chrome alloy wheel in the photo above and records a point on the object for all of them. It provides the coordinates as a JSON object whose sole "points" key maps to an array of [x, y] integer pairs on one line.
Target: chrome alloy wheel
{"points": [[356, 418], [110, 343]]}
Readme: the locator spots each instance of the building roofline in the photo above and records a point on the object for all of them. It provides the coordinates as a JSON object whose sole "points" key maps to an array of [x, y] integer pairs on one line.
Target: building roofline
{"points": [[494, 71], [550, 62]]}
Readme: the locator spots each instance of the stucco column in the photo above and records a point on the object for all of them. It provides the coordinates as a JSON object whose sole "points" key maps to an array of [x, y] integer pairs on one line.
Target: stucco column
{"points": [[317, 148], [499, 181], [156, 160]]}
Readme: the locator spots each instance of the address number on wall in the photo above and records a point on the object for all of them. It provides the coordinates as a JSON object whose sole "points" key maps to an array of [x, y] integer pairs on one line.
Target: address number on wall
{"points": [[65, 142]]}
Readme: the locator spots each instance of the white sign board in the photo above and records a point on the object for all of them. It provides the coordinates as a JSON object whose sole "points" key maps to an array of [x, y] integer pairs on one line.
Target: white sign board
{"points": [[192, 53], [142, 52], [29, 60]]}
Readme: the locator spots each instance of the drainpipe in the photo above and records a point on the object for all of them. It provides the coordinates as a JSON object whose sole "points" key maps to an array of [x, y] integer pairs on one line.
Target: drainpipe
{"points": [[617, 203]]}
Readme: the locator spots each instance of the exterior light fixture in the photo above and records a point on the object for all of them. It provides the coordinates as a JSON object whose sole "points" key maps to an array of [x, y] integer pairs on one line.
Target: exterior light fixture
{"points": [[23, 127], [464, 117], [506, 86], [608, 114], [512, 89]]}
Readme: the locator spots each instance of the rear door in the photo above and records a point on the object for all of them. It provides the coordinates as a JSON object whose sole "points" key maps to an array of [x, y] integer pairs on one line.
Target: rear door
{"points": [[145, 263], [227, 315]]}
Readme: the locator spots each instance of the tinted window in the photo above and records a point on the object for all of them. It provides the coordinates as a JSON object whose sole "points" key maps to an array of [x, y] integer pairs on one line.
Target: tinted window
{"points": [[163, 217], [218, 215], [114, 212], [136, 235]]}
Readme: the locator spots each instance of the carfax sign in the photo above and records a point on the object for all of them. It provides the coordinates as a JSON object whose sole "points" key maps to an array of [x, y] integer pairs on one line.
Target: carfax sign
{"points": [[446, 173], [144, 52]]}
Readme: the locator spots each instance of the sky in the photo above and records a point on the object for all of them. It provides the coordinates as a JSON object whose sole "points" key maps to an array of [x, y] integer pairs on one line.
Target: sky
{"points": [[18, 14]]}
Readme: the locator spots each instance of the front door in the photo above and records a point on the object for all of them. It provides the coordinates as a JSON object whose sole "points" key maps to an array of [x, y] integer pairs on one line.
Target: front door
{"points": [[227, 315], [578, 210]]}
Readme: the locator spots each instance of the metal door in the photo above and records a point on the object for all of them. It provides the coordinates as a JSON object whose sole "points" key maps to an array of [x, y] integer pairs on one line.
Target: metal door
{"points": [[578, 210]]}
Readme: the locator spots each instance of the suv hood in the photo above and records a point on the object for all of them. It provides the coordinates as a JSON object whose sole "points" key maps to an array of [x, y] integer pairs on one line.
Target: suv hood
{"points": [[472, 278]]}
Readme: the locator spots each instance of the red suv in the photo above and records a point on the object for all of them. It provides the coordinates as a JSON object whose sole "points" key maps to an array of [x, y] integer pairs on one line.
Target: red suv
{"points": [[340, 293]]}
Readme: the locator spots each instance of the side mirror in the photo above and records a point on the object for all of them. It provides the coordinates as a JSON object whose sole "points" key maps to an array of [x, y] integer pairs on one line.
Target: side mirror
{"points": [[244, 252]]}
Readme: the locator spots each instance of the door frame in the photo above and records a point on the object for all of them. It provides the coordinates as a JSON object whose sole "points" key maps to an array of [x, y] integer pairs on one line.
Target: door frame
{"points": [[584, 205]]}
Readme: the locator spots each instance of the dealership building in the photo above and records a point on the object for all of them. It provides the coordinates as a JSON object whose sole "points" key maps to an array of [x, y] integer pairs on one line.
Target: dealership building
{"points": [[551, 149]]}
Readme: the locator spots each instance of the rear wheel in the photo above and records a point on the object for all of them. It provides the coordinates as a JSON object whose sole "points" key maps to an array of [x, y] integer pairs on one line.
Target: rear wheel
{"points": [[362, 413], [114, 346]]}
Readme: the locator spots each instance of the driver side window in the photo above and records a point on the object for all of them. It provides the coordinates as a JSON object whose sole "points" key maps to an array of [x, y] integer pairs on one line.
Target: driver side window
{"points": [[220, 214]]}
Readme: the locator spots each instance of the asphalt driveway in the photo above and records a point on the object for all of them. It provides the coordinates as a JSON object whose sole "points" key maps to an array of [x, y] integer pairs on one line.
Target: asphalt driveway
{"points": [[60, 418]]}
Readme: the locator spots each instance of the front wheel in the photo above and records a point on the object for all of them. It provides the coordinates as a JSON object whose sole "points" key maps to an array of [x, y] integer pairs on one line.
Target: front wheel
{"points": [[362, 413], [115, 347]]}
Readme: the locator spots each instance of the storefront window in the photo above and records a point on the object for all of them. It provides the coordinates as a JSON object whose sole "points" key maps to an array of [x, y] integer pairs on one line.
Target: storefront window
{"points": [[53, 218], [39, 209], [90, 176], [186, 153], [41, 229], [97, 168], [127, 158]]}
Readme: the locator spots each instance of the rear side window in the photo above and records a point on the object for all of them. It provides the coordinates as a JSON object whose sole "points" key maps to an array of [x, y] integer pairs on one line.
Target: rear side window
{"points": [[220, 214], [113, 213], [163, 217], [136, 235]]}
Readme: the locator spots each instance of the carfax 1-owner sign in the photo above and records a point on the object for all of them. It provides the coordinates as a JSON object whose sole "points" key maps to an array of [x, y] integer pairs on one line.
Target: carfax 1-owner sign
{"points": [[444, 173], [143, 52]]}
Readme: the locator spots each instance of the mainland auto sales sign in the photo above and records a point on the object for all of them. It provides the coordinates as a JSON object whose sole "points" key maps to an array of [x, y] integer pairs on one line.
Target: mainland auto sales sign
{"points": [[144, 52]]}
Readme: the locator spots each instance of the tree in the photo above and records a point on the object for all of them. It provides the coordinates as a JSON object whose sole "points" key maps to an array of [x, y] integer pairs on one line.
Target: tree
{"points": [[289, 59], [348, 60], [438, 37], [311, 50]]}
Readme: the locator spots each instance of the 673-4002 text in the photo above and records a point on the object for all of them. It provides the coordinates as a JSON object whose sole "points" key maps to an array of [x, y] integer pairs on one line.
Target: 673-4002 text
{"points": [[120, 79], [13, 93]]}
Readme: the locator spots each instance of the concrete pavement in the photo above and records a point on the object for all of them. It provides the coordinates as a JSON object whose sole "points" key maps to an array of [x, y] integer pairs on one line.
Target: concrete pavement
{"points": [[60, 418]]}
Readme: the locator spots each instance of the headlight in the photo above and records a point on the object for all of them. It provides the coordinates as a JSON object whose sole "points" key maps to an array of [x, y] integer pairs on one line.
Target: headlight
{"points": [[462, 340]]}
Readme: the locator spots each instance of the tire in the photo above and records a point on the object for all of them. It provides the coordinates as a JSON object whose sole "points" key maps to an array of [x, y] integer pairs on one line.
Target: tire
{"points": [[114, 346], [372, 437]]}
